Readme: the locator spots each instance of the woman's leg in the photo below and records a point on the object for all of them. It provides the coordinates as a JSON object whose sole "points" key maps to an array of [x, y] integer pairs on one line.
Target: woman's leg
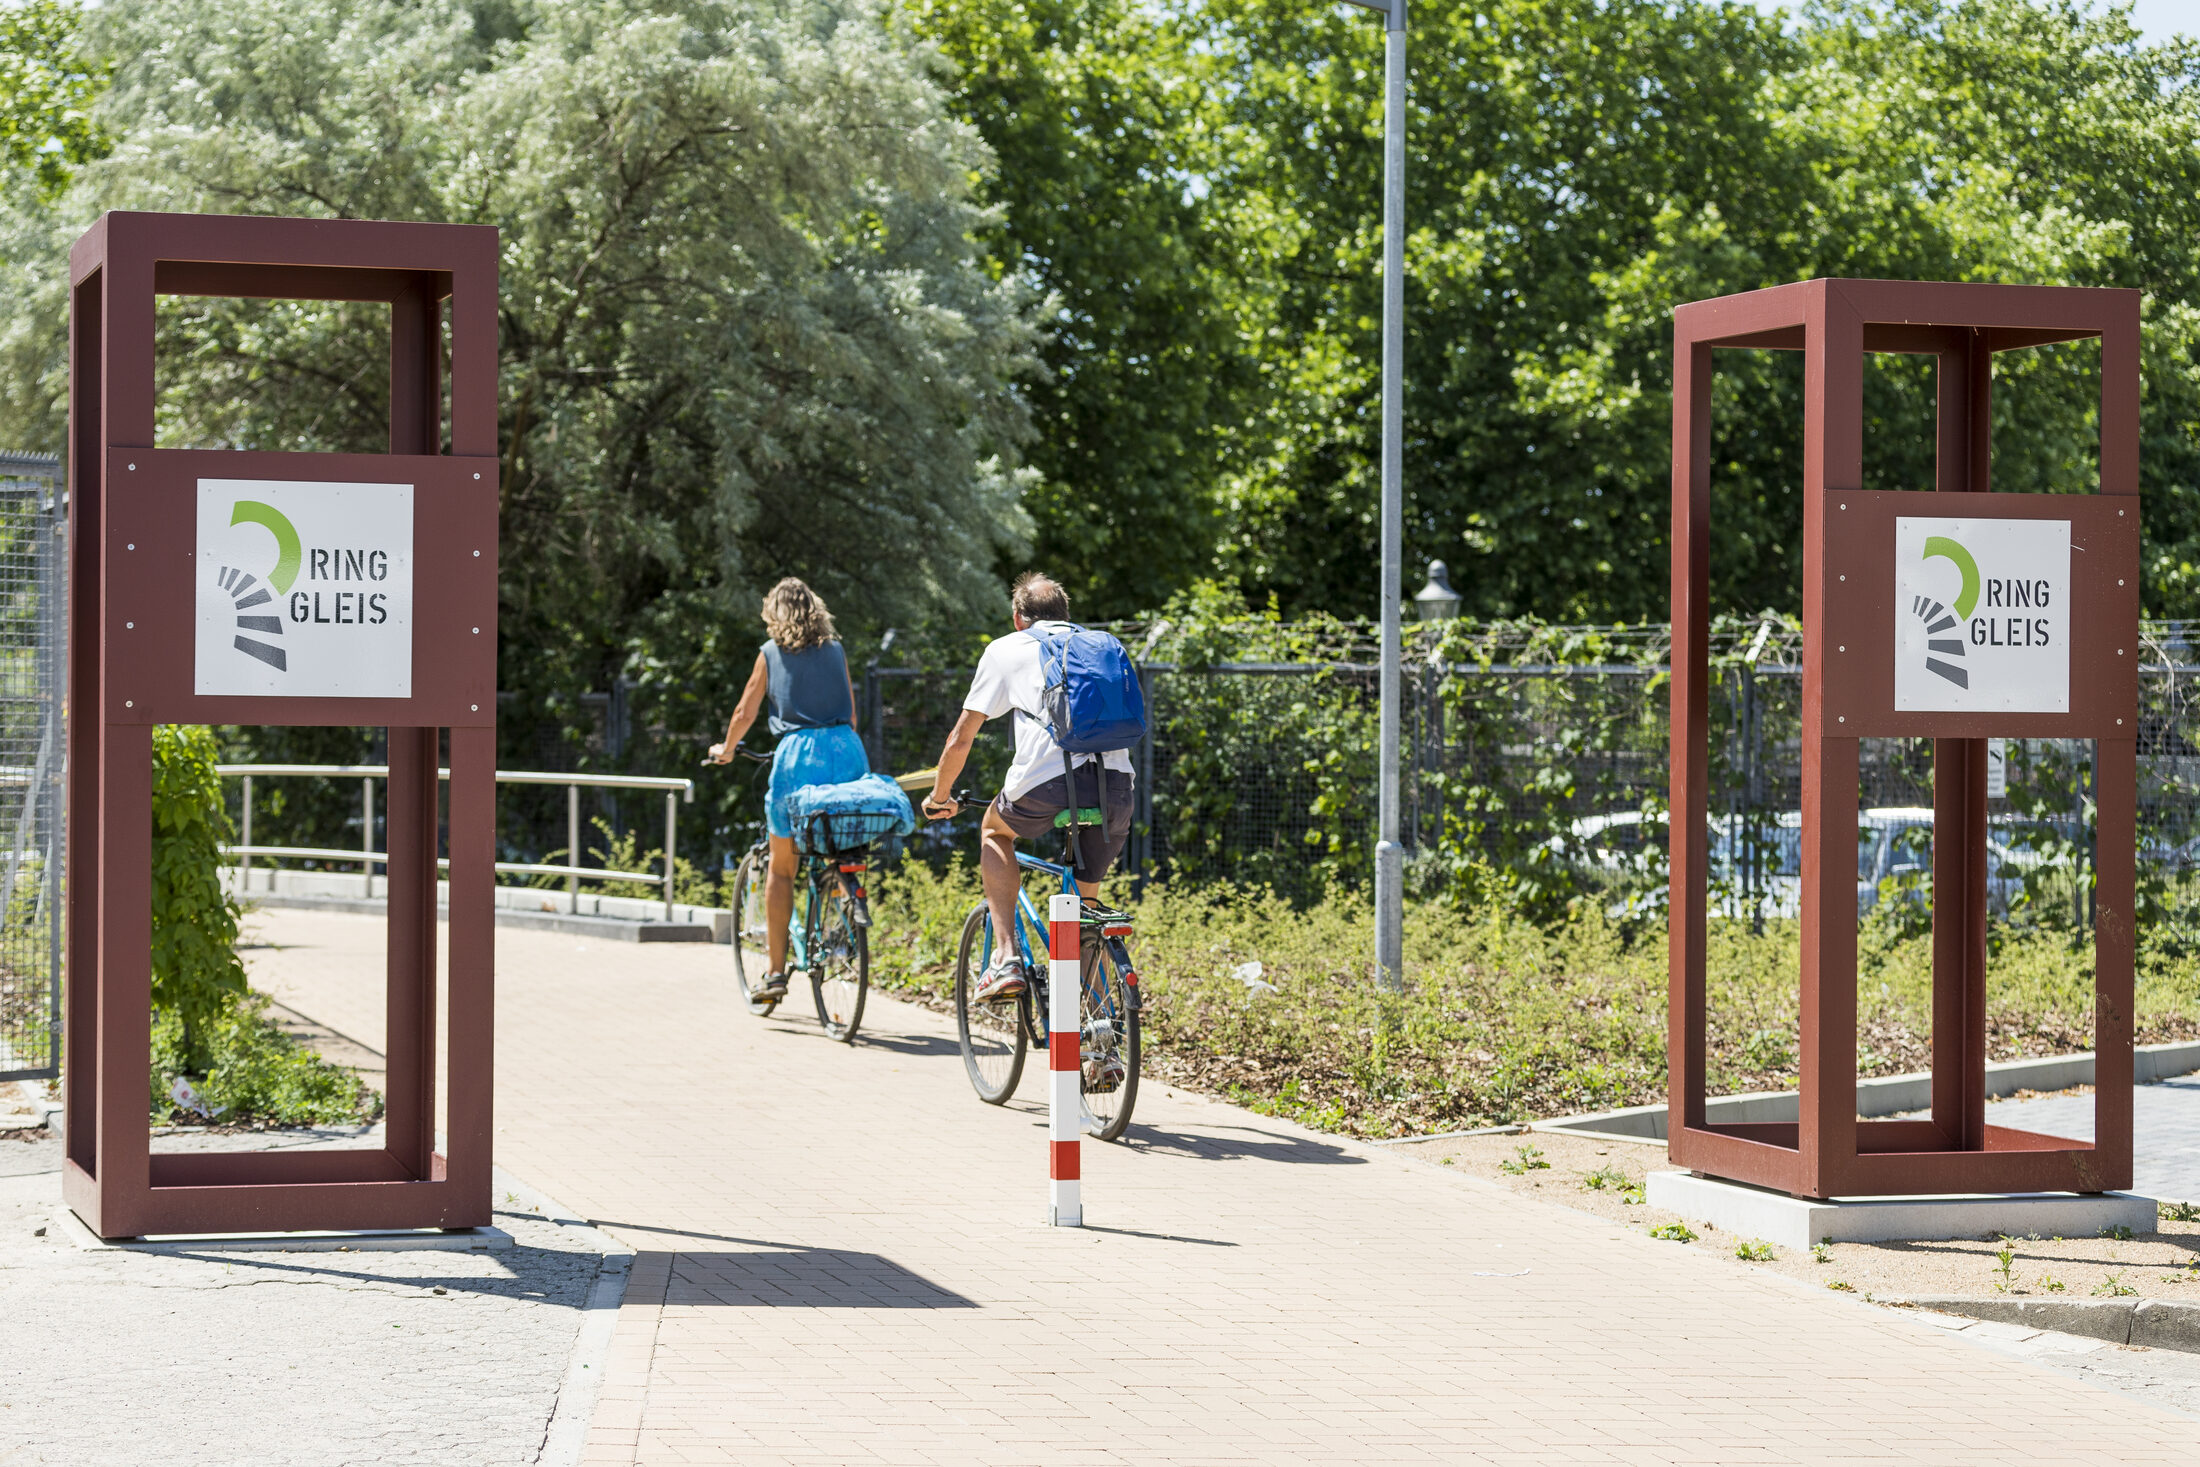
{"points": [[779, 900]]}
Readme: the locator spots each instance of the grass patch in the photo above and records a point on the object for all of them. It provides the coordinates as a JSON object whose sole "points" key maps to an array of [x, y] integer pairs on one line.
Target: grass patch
{"points": [[257, 1075], [1674, 1232], [1504, 1020]]}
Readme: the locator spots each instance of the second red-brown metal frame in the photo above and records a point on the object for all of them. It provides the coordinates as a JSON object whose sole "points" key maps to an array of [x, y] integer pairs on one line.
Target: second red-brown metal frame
{"points": [[1829, 1151]]}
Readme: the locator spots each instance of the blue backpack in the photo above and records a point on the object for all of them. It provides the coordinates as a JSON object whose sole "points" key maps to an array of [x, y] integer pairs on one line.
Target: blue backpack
{"points": [[1093, 703]]}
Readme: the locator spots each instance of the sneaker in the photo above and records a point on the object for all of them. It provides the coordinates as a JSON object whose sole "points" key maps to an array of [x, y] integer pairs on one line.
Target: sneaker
{"points": [[1004, 979], [773, 989]]}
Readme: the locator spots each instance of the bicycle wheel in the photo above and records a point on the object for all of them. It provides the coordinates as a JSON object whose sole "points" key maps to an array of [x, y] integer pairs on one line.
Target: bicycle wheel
{"points": [[840, 965], [750, 930], [1108, 1039], [992, 1033]]}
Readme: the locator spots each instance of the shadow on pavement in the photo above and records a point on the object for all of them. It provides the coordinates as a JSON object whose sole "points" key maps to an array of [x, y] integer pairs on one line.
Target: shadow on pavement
{"points": [[518, 1272], [915, 1044], [923, 1045], [803, 1278], [1159, 1237], [1238, 1143], [605, 1222]]}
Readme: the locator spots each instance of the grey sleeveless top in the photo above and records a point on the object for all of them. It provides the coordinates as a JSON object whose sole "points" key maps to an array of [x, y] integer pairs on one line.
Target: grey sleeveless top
{"points": [[809, 689]]}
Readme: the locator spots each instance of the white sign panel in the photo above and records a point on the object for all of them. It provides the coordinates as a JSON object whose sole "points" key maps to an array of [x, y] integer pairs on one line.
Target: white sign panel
{"points": [[305, 589], [1982, 615]]}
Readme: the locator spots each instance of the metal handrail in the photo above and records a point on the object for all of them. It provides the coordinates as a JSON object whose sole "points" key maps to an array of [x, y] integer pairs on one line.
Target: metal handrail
{"points": [[685, 787], [381, 858], [675, 791]]}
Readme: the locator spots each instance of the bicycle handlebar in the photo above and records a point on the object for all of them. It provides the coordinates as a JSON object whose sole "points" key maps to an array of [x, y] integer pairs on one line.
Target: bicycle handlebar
{"points": [[748, 754]]}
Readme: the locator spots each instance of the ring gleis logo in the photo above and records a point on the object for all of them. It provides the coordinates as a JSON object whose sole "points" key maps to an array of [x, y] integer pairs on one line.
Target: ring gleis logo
{"points": [[1939, 623], [1981, 613], [303, 589], [248, 594]]}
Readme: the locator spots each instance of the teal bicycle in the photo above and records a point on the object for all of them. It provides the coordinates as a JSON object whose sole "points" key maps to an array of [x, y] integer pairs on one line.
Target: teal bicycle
{"points": [[997, 1036], [829, 931]]}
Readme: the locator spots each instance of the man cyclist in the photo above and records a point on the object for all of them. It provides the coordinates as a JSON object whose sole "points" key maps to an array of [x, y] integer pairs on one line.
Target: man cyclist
{"points": [[1012, 678]]}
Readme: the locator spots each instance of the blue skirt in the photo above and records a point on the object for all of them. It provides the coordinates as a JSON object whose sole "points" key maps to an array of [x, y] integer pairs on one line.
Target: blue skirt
{"points": [[805, 756]]}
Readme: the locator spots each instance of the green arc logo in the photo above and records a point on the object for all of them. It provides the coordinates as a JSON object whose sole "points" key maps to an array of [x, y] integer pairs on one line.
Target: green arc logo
{"points": [[1939, 545], [1944, 624], [289, 553]]}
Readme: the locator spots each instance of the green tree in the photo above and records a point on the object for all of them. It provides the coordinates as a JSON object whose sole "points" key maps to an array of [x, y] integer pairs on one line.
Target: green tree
{"points": [[197, 975], [1104, 117], [1575, 171], [746, 330], [47, 87], [2037, 142]]}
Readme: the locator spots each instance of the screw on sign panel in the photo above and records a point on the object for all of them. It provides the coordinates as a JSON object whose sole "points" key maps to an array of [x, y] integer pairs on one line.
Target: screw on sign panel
{"points": [[1065, 1075]]}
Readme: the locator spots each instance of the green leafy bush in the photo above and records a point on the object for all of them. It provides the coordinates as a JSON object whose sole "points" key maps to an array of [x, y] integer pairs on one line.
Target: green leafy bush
{"points": [[1504, 1019], [210, 1032], [252, 1071], [622, 851], [197, 975]]}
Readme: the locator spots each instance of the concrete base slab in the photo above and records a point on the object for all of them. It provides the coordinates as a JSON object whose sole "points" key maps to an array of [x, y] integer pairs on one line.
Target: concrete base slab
{"points": [[72, 1228], [1795, 1222]]}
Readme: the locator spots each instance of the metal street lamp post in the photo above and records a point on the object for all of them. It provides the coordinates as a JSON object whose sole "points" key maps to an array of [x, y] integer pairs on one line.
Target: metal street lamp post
{"points": [[1390, 913]]}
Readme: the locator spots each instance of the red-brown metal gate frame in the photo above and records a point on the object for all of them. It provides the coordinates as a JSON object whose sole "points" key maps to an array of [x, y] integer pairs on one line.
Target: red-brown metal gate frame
{"points": [[131, 568], [1848, 620]]}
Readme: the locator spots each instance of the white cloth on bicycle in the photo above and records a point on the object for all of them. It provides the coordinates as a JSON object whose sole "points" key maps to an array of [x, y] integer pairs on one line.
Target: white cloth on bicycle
{"points": [[1010, 677]]}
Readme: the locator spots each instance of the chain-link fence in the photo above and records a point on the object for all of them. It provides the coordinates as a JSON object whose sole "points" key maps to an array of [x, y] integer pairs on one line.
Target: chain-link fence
{"points": [[1537, 758], [1536, 770], [33, 624]]}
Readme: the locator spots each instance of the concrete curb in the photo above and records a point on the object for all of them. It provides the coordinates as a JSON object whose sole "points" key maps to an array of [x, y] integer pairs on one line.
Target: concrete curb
{"points": [[1891, 1095], [2157, 1324], [565, 1435]]}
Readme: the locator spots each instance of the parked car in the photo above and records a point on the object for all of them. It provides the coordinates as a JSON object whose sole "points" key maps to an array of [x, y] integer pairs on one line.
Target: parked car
{"points": [[1756, 867]]}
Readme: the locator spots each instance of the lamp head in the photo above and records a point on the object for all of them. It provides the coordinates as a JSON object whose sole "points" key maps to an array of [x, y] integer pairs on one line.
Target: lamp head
{"points": [[1437, 601]]}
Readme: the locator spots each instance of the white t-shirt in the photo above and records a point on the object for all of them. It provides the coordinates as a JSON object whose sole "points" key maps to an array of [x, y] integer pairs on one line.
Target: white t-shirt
{"points": [[1011, 676]]}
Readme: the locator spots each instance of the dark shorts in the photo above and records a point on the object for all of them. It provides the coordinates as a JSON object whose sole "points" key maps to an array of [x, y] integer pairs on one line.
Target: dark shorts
{"points": [[1032, 818]]}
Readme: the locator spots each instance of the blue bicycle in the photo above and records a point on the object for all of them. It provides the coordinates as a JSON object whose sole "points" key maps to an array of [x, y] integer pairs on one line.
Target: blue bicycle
{"points": [[996, 1036]]}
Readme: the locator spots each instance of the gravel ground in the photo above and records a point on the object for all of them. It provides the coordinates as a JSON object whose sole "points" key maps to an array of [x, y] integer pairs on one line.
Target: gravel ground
{"points": [[308, 1359], [2164, 1264]]}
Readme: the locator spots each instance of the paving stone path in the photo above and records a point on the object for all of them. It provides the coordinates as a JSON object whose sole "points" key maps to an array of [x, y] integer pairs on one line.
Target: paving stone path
{"points": [[112, 1358], [842, 1262]]}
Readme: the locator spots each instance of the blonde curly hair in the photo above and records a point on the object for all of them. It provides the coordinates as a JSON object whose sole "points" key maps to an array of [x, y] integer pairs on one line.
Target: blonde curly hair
{"points": [[796, 618]]}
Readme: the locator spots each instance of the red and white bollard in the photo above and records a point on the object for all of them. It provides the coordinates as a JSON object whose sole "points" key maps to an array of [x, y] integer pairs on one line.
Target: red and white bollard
{"points": [[1065, 1063]]}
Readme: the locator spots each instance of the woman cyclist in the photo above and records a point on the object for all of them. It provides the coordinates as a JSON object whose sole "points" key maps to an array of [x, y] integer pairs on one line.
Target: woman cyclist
{"points": [[804, 673]]}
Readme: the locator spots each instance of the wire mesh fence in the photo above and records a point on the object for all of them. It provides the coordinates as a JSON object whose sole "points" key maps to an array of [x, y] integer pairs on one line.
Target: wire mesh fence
{"points": [[32, 638], [1537, 758], [1536, 769]]}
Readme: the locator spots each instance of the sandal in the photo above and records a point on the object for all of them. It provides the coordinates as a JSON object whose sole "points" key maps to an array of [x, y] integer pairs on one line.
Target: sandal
{"points": [[773, 988]]}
